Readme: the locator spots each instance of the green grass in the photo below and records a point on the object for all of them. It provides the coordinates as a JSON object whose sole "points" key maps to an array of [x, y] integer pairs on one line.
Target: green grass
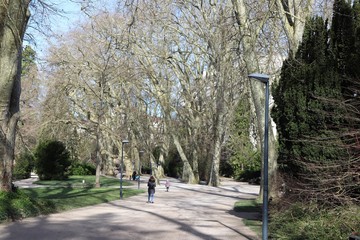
{"points": [[69, 198], [60, 196], [250, 206], [311, 222], [77, 181], [304, 221]]}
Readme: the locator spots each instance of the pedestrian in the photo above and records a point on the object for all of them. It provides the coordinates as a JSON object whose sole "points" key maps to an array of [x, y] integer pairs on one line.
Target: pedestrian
{"points": [[151, 189], [134, 175], [167, 185]]}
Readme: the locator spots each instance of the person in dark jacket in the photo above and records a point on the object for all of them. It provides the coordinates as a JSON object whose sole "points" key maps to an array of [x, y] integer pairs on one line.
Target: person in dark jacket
{"points": [[151, 189]]}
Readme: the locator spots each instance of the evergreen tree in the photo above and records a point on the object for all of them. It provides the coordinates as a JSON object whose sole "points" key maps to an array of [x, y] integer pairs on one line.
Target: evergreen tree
{"points": [[342, 38], [52, 160], [298, 113], [310, 113], [245, 160]]}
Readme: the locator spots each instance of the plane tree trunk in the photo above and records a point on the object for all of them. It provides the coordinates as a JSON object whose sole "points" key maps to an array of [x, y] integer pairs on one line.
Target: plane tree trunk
{"points": [[14, 16]]}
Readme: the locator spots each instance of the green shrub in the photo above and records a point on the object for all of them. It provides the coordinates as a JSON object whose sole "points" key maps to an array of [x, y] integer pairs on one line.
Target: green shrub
{"points": [[82, 169], [247, 169], [312, 223], [52, 160], [17, 205], [24, 164]]}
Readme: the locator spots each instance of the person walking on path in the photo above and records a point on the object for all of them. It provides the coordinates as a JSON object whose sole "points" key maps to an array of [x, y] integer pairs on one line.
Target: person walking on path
{"points": [[151, 189], [167, 185]]}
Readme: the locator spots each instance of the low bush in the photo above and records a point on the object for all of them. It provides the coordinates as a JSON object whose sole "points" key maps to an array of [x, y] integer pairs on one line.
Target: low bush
{"points": [[17, 205], [82, 169], [24, 164]]}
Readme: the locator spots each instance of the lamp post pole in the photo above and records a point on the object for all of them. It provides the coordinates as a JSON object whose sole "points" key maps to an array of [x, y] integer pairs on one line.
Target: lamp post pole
{"points": [[150, 167], [121, 166], [140, 155], [265, 79]]}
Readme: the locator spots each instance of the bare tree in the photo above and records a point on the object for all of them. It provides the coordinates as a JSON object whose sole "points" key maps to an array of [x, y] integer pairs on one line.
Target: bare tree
{"points": [[29, 121], [187, 54], [93, 80]]}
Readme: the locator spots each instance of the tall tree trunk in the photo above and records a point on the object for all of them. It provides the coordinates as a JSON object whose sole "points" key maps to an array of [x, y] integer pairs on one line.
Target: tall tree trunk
{"points": [[215, 165], [293, 15], [161, 161], [188, 174], [250, 37], [218, 133], [14, 16], [195, 165]]}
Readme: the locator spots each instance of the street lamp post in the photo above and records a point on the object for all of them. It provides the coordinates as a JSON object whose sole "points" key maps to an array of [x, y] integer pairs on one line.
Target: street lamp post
{"points": [[121, 166], [150, 166], [265, 79], [140, 155]]}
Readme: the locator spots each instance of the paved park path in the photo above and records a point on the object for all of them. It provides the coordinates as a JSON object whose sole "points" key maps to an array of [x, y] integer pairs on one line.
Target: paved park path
{"points": [[186, 212]]}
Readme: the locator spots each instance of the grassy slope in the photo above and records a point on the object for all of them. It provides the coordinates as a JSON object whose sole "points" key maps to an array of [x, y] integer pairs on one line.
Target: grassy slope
{"points": [[60, 196], [304, 222]]}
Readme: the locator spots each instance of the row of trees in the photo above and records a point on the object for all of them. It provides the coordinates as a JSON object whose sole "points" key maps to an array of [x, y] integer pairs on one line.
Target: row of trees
{"points": [[165, 75]]}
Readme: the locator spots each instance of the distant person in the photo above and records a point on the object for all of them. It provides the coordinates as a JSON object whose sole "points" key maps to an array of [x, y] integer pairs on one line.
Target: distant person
{"points": [[151, 189], [137, 178], [134, 176], [167, 185]]}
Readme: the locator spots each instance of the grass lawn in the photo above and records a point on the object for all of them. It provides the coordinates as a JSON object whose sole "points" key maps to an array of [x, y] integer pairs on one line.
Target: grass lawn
{"points": [[89, 181], [250, 206], [69, 198], [60, 196]]}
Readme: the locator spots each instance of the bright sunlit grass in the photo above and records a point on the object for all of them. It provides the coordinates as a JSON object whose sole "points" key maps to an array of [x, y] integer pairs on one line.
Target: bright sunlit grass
{"points": [[60, 196], [79, 181], [70, 198], [251, 205]]}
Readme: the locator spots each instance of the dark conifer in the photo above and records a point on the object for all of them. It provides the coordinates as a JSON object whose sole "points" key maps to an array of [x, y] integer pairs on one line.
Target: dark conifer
{"points": [[314, 118]]}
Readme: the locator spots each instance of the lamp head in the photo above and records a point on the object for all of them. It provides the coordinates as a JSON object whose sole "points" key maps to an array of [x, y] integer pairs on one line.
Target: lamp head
{"points": [[259, 76]]}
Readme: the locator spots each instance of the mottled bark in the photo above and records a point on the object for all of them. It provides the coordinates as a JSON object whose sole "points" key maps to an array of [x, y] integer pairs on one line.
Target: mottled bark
{"points": [[13, 20], [188, 174]]}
